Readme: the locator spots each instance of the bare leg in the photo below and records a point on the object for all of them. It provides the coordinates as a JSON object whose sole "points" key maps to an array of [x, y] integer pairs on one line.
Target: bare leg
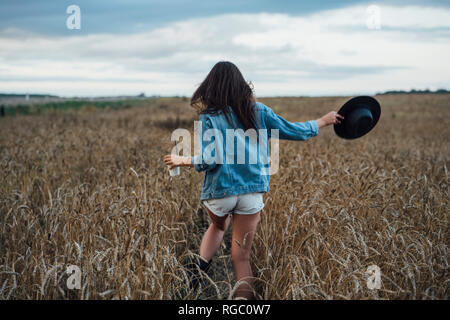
{"points": [[213, 237], [244, 229]]}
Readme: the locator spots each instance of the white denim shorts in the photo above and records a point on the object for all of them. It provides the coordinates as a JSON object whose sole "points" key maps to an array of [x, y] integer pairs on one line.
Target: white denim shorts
{"points": [[247, 203]]}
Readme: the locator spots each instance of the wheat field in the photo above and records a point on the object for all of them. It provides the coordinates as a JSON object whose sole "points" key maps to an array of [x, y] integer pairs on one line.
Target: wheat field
{"points": [[88, 188]]}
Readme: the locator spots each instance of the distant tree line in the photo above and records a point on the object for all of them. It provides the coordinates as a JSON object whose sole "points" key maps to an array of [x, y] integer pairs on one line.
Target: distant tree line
{"points": [[414, 91], [13, 95], [69, 104]]}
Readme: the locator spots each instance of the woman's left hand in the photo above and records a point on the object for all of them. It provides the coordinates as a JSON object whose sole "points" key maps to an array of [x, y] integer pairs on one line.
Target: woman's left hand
{"points": [[173, 161]]}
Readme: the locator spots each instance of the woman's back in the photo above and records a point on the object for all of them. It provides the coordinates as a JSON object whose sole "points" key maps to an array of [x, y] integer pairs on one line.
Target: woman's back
{"points": [[236, 160]]}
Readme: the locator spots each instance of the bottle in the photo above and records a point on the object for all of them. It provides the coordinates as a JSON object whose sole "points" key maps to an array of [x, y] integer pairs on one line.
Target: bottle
{"points": [[175, 171]]}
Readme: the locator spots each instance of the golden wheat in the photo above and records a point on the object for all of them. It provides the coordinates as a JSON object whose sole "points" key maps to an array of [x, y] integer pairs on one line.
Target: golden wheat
{"points": [[89, 188]]}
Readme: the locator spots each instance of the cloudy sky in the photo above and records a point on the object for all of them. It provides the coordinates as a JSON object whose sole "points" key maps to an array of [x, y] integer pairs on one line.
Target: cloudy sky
{"points": [[166, 47]]}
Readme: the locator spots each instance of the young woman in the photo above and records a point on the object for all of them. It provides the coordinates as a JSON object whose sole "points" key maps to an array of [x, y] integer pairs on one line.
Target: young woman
{"points": [[233, 190]]}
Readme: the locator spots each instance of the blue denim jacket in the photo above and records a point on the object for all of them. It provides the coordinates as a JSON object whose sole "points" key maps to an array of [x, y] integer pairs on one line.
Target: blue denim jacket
{"points": [[228, 169]]}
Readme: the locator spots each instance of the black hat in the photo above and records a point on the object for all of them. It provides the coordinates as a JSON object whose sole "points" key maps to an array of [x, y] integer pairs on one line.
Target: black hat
{"points": [[360, 114]]}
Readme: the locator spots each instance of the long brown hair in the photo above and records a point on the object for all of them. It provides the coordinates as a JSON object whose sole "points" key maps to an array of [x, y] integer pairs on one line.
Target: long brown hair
{"points": [[225, 86]]}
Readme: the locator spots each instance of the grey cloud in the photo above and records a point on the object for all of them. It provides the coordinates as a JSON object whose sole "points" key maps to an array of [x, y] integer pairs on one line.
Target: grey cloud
{"points": [[120, 17], [184, 51]]}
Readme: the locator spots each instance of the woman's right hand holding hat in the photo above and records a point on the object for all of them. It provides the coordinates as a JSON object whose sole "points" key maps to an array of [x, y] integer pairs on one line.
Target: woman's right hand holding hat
{"points": [[330, 118]]}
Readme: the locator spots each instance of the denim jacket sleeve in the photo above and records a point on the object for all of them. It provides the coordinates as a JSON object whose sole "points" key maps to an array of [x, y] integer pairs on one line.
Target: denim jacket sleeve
{"points": [[290, 130], [205, 161]]}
